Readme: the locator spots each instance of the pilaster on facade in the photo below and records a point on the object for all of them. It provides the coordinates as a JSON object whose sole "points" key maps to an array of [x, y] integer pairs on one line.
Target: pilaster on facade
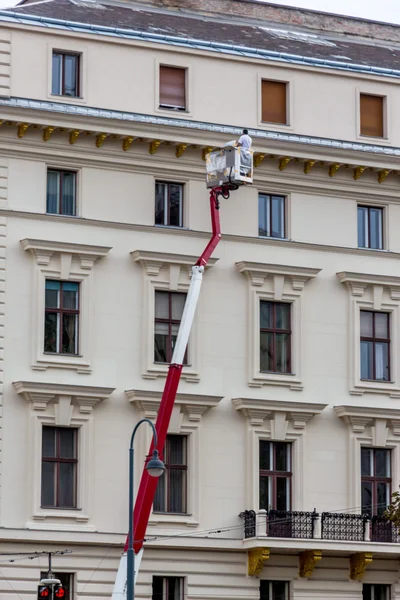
{"points": [[61, 405], [276, 283], [3, 245], [373, 293], [63, 261], [276, 420], [169, 272]]}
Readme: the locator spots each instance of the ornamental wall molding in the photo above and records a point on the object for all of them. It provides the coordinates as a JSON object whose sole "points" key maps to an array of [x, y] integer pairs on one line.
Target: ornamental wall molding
{"points": [[257, 273], [153, 262], [279, 412], [359, 282], [43, 250], [40, 395], [194, 406], [383, 421]]}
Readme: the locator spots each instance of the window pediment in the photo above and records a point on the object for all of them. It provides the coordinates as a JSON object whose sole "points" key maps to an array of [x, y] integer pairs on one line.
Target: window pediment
{"points": [[257, 273], [359, 282], [191, 405], [382, 421], [153, 262], [279, 413], [43, 250]]}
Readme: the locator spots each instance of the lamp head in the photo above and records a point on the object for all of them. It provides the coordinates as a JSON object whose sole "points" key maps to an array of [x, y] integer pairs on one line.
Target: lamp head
{"points": [[155, 467]]}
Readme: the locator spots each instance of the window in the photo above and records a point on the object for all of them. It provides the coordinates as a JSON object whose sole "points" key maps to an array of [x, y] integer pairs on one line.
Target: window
{"points": [[67, 581], [61, 321], [172, 485], [65, 74], [275, 475], [168, 313], [172, 88], [167, 588], [61, 192], [371, 115], [271, 216], [370, 227], [274, 102], [59, 467], [375, 345], [274, 590], [169, 204], [376, 481], [376, 591], [275, 337]]}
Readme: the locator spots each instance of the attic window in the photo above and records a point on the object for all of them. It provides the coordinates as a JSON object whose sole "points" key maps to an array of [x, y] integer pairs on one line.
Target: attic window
{"points": [[274, 102], [172, 88], [371, 115]]}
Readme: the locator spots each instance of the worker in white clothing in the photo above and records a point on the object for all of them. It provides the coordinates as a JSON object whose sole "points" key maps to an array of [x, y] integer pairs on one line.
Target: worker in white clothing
{"points": [[244, 143]]}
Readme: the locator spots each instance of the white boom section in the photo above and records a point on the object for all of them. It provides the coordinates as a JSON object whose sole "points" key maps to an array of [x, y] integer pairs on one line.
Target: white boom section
{"points": [[119, 591], [188, 315]]}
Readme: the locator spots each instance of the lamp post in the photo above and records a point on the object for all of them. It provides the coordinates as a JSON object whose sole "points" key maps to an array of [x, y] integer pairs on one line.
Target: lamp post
{"points": [[155, 468]]}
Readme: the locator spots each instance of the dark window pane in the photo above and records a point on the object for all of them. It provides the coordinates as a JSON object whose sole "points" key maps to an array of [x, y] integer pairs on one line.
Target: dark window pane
{"points": [[366, 323], [48, 484], [362, 216], [367, 591], [264, 590], [159, 498], [70, 296], [69, 334], [366, 356], [174, 588], [50, 332], [66, 485], [279, 590], [383, 497], [381, 592], [263, 215], [264, 493], [366, 497], [381, 361], [161, 342], [49, 442], [278, 217], [162, 305], [53, 191], [282, 493], [52, 298], [266, 351], [177, 306], [375, 215], [157, 593], [68, 194], [366, 462], [67, 443], [266, 315], [56, 74], [282, 316], [281, 456], [176, 450], [177, 478], [381, 325], [382, 462], [70, 75], [265, 455], [160, 204], [282, 352], [175, 205]]}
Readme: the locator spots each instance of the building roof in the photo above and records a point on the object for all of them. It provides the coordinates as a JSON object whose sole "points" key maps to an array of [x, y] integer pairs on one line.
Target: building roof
{"points": [[164, 26]]}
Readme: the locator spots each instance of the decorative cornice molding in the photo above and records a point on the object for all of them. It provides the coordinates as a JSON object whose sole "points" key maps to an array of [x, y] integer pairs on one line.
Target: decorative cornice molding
{"points": [[43, 250], [360, 417], [358, 282], [258, 273], [258, 409], [193, 405], [153, 262], [41, 394]]}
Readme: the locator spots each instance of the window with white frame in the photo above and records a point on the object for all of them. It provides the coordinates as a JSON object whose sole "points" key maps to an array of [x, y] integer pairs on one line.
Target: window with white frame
{"points": [[271, 215], [375, 591], [274, 590], [62, 303], [65, 74], [61, 192], [370, 227], [169, 204], [376, 480], [59, 467], [275, 318], [275, 475], [375, 345], [168, 588], [168, 314], [171, 490]]}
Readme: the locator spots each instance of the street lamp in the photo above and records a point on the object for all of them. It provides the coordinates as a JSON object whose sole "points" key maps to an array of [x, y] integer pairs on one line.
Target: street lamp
{"points": [[155, 467]]}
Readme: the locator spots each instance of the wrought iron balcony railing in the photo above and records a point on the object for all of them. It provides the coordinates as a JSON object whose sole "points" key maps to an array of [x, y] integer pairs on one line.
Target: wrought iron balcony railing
{"points": [[312, 525]]}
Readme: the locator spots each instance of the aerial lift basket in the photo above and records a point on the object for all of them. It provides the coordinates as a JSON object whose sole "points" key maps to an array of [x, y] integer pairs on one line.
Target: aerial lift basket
{"points": [[229, 165]]}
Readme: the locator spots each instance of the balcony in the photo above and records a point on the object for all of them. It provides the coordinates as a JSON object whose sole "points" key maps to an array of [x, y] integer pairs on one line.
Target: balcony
{"points": [[325, 526]]}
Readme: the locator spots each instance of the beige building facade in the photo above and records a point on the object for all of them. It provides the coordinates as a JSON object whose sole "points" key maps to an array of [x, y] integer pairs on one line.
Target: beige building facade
{"points": [[284, 443]]}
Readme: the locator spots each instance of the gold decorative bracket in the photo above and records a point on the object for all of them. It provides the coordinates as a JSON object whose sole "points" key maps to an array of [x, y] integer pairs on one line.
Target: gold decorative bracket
{"points": [[205, 151], [283, 162], [180, 149], [257, 558], [258, 158], [382, 175], [358, 171], [358, 564], [127, 143], [308, 165], [100, 139], [307, 561], [73, 136], [22, 128], [153, 146], [333, 169], [47, 133]]}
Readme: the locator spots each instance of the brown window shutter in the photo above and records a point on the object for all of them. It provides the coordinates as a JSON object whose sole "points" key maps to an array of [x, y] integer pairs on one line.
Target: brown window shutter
{"points": [[173, 87], [371, 115], [273, 102]]}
